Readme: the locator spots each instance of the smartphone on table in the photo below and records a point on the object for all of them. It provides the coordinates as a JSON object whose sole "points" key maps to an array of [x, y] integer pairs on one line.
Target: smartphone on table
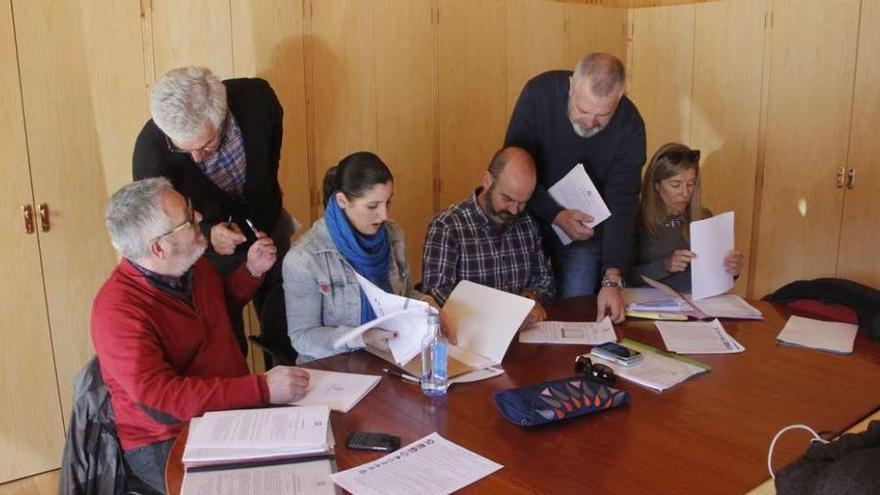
{"points": [[617, 353], [381, 442]]}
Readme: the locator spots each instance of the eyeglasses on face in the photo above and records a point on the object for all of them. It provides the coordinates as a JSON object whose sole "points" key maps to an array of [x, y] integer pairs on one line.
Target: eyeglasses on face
{"points": [[210, 147], [584, 366], [190, 221], [677, 156]]}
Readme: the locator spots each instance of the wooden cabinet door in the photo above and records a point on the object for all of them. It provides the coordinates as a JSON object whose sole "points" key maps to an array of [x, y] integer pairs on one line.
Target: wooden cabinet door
{"points": [[30, 413], [67, 72], [860, 232], [472, 85], [812, 66]]}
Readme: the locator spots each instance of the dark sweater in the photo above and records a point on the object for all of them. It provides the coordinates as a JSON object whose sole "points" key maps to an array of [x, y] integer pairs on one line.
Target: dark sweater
{"points": [[613, 159], [165, 361], [259, 116]]}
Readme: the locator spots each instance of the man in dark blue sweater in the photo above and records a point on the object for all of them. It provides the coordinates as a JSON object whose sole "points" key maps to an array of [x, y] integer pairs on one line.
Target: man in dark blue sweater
{"points": [[564, 118]]}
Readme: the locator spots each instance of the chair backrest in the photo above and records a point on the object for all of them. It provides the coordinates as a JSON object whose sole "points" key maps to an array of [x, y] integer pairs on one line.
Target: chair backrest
{"points": [[273, 330]]}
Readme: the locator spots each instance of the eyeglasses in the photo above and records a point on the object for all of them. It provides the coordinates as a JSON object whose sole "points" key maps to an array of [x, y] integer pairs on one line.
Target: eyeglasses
{"points": [[209, 147], [676, 156], [585, 366], [190, 221]]}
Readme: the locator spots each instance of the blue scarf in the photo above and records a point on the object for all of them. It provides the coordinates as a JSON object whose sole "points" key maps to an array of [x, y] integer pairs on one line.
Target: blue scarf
{"points": [[367, 254]]}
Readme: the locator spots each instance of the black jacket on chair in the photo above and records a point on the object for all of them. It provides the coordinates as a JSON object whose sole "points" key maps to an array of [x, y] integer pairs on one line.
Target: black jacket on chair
{"points": [[864, 300], [260, 117]]}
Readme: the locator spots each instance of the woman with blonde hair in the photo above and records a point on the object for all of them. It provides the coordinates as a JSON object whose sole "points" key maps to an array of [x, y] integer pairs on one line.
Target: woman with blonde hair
{"points": [[670, 202]]}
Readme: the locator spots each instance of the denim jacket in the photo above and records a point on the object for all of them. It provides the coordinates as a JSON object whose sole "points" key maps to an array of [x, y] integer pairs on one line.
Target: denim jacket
{"points": [[322, 295]]}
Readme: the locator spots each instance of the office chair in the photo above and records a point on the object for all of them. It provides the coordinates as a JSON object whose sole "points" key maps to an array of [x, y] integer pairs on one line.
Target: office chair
{"points": [[273, 339]]}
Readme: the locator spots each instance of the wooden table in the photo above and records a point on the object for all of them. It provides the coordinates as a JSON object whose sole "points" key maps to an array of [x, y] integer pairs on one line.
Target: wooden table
{"points": [[709, 434]]}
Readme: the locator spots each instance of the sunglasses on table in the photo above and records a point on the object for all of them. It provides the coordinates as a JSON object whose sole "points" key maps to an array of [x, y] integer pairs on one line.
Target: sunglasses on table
{"points": [[584, 366]]}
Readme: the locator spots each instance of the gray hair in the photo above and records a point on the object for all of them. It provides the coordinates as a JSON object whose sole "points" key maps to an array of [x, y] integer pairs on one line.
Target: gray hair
{"points": [[135, 216], [604, 71], [185, 100]]}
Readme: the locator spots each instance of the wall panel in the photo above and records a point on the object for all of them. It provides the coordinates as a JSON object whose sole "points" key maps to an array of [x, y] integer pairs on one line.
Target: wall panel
{"points": [[808, 120], [406, 114], [64, 145], [30, 412], [595, 29], [662, 72], [472, 82], [726, 107], [268, 43], [861, 219], [194, 32], [536, 42]]}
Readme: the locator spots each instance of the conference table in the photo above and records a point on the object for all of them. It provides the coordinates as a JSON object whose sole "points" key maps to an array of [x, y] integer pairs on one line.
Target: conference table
{"points": [[709, 434]]}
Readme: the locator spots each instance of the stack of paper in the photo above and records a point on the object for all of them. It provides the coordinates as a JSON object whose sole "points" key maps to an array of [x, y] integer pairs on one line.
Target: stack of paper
{"points": [[698, 337], [576, 191], [726, 306], [565, 332], [430, 466], [485, 320], [822, 335], [233, 437], [658, 370], [309, 477], [339, 391]]}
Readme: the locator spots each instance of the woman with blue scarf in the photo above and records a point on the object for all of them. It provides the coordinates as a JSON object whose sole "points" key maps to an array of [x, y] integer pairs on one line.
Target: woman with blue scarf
{"points": [[321, 292]]}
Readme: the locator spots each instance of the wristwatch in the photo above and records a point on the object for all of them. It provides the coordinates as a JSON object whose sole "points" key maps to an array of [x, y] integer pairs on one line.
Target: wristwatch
{"points": [[612, 280]]}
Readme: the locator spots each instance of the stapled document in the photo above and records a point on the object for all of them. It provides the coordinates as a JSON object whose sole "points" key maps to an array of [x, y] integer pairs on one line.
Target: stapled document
{"points": [[576, 191]]}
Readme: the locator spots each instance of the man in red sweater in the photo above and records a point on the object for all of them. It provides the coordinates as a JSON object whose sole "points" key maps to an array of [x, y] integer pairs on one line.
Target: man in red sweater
{"points": [[162, 332]]}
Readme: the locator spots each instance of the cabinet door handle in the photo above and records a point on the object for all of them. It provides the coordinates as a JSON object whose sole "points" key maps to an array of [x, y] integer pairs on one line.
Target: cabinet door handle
{"points": [[840, 174], [28, 212], [44, 217], [851, 178]]}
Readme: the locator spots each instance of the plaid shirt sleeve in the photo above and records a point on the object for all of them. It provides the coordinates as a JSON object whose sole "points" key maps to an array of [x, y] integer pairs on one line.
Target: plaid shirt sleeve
{"points": [[540, 279], [439, 261]]}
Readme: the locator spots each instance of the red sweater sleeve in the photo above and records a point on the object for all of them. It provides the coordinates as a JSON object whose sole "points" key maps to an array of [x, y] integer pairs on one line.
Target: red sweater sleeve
{"points": [[131, 355], [240, 286]]}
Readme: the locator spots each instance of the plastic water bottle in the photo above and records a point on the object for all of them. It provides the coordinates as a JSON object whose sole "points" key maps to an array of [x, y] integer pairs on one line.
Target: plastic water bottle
{"points": [[434, 371]]}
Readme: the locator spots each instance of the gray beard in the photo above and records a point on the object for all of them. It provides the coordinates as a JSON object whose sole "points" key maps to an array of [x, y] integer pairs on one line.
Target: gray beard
{"points": [[583, 131]]}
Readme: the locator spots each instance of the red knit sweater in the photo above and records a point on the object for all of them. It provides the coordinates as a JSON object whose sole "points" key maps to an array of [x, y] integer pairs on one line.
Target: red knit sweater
{"points": [[166, 362]]}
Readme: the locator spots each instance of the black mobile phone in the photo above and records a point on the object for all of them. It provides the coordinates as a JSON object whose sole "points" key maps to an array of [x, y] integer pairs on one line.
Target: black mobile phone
{"points": [[382, 442], [617, 353]]}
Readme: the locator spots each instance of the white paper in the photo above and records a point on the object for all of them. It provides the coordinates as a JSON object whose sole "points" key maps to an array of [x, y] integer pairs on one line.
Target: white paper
{"points": [[652, 299], [477, 375], [339, 391], [711, 241], [406, 316], [565, 332], [485, 319], [697, 337], [728, 306], [655, 371], [430, 466], [576, 191], [816, 334], [304, 478]]}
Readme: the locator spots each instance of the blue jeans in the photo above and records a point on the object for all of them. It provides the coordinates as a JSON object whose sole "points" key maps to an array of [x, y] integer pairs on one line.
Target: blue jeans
{"points": [[577, 268]]}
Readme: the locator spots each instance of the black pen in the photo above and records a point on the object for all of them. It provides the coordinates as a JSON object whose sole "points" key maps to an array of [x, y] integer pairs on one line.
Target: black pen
{"points": [[403, 376]]}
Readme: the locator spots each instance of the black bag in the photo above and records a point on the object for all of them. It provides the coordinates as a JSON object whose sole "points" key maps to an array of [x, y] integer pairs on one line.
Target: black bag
{"points": [[848, 465]]}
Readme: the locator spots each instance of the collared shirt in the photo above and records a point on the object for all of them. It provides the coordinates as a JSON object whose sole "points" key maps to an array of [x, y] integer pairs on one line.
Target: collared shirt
{"points": [[227, 167], [462, 243], [179, 287]]}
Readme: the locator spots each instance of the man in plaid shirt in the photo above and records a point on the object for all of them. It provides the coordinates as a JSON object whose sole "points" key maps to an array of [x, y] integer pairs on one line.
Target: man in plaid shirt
{"points": [[490, 239]]}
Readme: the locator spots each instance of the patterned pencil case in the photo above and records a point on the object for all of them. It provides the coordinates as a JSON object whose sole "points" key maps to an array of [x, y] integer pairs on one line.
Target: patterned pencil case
{"points": [[556, 400]]}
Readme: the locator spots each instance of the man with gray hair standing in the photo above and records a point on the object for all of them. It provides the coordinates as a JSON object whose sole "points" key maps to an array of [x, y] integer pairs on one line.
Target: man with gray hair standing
{"points": [[565, 118], [219, 143], [159, 326]]}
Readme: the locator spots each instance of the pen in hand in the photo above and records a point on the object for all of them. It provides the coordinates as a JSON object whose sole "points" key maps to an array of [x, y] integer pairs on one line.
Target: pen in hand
{"points": [[402, 376]]}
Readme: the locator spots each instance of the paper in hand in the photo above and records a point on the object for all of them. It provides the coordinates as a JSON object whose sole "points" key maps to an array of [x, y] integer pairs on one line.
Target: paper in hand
{"points": [[576, 191]]}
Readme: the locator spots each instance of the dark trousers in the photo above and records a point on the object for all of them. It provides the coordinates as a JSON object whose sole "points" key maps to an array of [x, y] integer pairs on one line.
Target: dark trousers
{"points": [[147, 463]]}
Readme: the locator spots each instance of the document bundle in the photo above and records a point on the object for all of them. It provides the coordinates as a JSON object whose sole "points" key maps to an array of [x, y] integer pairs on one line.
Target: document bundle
{"points": [[658, 370], [662, 299], [271, 450], [339, 391], [485, 320]]}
